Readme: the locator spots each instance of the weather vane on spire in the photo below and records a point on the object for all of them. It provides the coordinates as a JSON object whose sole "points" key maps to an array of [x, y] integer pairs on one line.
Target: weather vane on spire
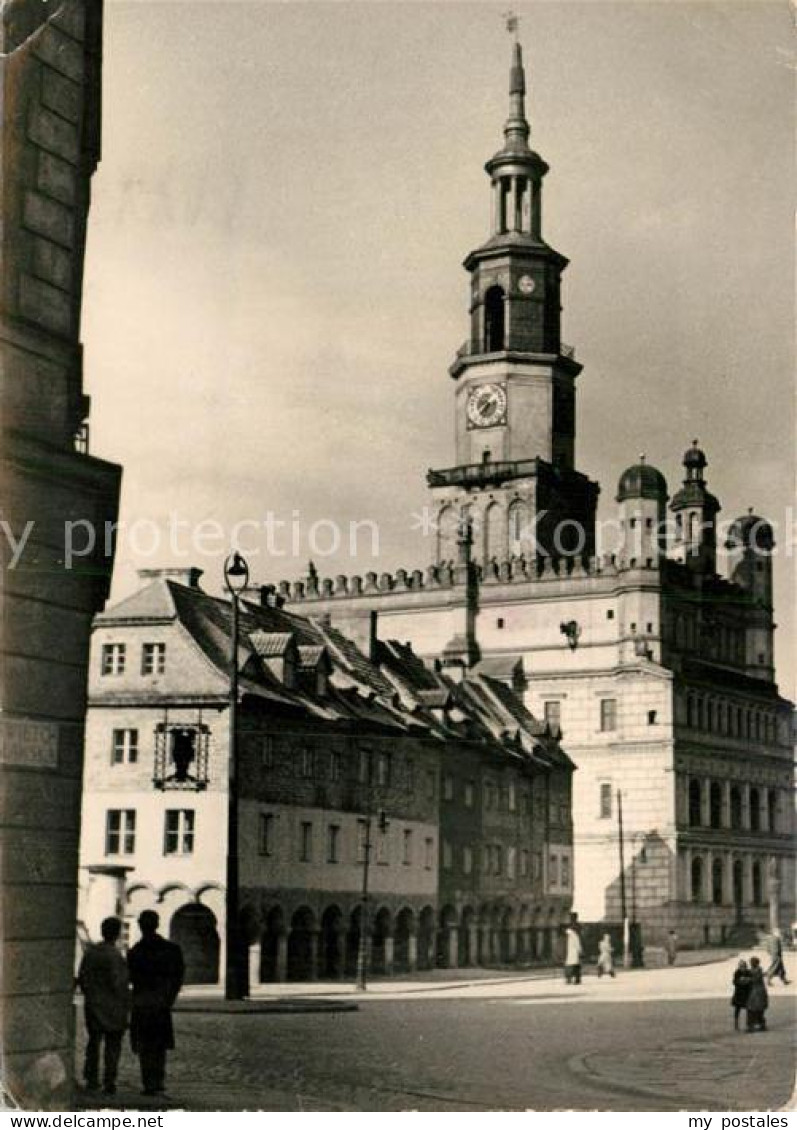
{"points": [[512, 22]]}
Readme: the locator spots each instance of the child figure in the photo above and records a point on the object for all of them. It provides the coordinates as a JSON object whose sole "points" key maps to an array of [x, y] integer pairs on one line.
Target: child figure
{"points": [[605, 960], [757, 998], [741, 990]]}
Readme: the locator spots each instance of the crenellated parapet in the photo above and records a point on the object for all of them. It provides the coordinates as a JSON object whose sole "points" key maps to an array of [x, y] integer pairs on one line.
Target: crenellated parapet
{"points": [[449, 575]]}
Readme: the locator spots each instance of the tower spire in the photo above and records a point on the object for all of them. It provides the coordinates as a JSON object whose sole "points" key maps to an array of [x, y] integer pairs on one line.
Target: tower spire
{"points": [[516, 130]]}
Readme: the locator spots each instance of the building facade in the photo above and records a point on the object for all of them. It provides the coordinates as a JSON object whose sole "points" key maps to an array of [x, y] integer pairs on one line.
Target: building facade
{"points": [[58, 502], [659, 671], [338, 758]]}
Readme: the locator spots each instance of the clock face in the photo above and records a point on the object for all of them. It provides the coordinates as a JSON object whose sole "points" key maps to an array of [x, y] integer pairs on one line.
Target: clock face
{"points": [[526, 284], [486, 406]]}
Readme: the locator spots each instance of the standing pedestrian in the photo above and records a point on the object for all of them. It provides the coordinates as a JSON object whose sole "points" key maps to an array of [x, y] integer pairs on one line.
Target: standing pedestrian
{"points": [[741, 990], [671, 946], [156, 972], [757, 998], [776, 968], [102, 977], [605, 956], [573, 951]]}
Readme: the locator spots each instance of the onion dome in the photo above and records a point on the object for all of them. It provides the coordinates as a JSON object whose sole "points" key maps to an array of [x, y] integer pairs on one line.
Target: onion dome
{"points": [[750, 531], [641, 481]]}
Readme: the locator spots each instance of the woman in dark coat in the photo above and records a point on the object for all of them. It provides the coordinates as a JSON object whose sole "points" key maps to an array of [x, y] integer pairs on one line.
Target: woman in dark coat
{"points": [[156, 972], [757, 998], [741, 990]]}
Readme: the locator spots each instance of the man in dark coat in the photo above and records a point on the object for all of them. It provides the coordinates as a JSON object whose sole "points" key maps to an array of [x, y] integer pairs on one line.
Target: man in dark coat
{"points": [[156, 972], [102, 978]]}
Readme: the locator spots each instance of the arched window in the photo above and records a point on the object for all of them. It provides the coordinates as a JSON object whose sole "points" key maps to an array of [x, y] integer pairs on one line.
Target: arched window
{"points": [[494, 320], [738, 883], [690, 710], [710, 714], [755, 810], [446, 535], [715, 805], [518, 516], [736, 806], [716, 882], [697, 879], [694, 802], [758, 890], [493, 540], [700, 713]]}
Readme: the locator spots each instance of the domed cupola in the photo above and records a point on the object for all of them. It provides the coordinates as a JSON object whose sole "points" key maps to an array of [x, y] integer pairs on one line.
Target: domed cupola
{"points": [[750, 531], [642, 480], [642, 496], [695, 510]]}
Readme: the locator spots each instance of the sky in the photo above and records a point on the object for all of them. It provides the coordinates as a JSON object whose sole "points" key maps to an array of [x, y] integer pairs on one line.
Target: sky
{"points": [[274, 289]]}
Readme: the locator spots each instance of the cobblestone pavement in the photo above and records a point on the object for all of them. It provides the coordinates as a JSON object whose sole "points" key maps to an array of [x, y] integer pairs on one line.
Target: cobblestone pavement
{"points": [[496, 1052]]}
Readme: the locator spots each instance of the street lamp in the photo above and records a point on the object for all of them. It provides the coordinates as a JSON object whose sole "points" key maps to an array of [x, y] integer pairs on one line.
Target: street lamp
{"points": [[236, 578], [623, 905], [362, 949]]}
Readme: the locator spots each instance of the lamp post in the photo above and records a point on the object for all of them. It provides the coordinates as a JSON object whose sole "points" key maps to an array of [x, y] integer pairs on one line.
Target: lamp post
{"points": [[236, 578], [362, 949]]}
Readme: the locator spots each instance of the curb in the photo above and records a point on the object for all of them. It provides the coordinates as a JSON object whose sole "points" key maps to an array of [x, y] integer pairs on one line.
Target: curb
{"points": [[252, 1007]]}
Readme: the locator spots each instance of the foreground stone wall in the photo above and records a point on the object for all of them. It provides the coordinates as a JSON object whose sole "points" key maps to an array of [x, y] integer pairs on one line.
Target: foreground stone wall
{"points": [[50, 82]]}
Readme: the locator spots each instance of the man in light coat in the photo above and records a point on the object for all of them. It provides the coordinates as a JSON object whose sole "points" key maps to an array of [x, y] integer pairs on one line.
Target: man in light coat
{"points": [[102, 978], [573, 952]]}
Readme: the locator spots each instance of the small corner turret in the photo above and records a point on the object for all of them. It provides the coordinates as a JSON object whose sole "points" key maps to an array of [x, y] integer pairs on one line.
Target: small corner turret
{"points": [[695, 510]]}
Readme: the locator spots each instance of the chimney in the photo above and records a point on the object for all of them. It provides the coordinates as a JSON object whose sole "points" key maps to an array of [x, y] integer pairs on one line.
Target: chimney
{"points": [[187, 575]]}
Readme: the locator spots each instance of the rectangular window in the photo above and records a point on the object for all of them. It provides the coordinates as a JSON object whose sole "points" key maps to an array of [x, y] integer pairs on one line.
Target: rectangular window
{"points": [[553, 871], [333, 843], [651, 717], [608, 714], [431, 784], [362, 840], [406, 854], [113, 658], [467, 860], [383, 769], [410, 775], [470, 790], [120, 831], [488, 794], [498, 860], [124, 747], [448, 787], [306, 841], [153, 658], [537, 864], [364, 767], [265, 845], [565, 874], [334, 765], [448, 855], [511, 797], [511, 857], [308, 761], [524, 863], [552, 713], [382, 854], [178, 831], [605, 800], [428, 855], [267, 751]]}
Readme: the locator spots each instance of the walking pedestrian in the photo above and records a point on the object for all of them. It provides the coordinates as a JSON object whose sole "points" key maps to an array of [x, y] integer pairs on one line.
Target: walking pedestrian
{"points": [[776, 968], [671, 946], [757, 998], [605, 956], [573, 951], [741, 990], [156, 972], [102, 978]]}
